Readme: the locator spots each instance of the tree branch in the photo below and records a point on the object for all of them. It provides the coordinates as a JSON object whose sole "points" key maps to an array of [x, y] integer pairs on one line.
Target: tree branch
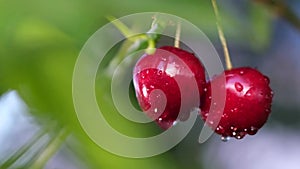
{"points": [[281, 9]]}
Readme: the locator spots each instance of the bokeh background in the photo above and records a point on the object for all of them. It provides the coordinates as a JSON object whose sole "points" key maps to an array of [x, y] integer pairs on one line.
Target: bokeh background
{"points": [[39, 44]]}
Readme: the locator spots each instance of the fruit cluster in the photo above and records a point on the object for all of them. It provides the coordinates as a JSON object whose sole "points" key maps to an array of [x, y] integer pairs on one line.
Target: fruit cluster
{"points": [[165, 88]]}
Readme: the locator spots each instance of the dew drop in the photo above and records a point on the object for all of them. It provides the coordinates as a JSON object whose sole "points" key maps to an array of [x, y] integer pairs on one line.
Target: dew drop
{"points": [[220, 128], [209, 97], [159, 72], [249, 92], [233, 128], [225, 138], [205, 89], [224, 115], [155, 110], [160, 119], [242, 72], [240, 135], [253, 130], [238, 86], [233, 110], [267, 79], [175, 122], [268, 96], [234, 133]]}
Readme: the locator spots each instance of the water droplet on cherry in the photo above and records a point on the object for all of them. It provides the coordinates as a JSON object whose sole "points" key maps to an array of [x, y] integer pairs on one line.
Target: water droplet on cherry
{"points": [[233, 128], [249, 93], [253, 130], [225, 138], [159, 72], [240, 135], [238, 86], [267, 79]]}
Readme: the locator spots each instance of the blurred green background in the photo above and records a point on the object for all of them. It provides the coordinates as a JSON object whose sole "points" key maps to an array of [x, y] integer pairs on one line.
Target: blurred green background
{"points": [[40, 42]]}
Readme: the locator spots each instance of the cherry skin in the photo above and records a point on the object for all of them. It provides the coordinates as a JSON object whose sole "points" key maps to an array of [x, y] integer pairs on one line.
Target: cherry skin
{"points": [[247, 105], [166, 83]]}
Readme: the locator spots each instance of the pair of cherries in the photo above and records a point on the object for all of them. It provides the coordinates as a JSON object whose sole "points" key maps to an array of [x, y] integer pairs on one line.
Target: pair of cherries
{"points": [[170, 83]]}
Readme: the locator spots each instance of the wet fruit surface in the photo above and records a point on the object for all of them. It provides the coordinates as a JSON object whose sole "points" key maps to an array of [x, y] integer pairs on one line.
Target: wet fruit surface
{"points": [[247, 106], [168, 84]]}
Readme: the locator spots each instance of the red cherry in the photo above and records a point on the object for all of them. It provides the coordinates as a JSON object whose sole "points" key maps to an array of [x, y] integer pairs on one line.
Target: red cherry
{"points": [[247, 105], [175, 73]]}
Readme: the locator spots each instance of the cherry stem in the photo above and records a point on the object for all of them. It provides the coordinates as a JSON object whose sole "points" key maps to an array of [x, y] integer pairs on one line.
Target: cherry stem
{"points": [[121, 26], [128, 34], [177, 35], [222, 36]]}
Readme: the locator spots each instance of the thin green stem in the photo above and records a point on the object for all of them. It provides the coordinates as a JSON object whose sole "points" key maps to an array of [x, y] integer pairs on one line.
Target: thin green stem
{"points": [[222, 36], [134, 43], [121, 26], [151, 46]]}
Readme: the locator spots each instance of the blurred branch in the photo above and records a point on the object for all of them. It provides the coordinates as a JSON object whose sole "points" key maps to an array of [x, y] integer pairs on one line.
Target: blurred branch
{"points": [[18, 154], [51, 149], [280, 8]]}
